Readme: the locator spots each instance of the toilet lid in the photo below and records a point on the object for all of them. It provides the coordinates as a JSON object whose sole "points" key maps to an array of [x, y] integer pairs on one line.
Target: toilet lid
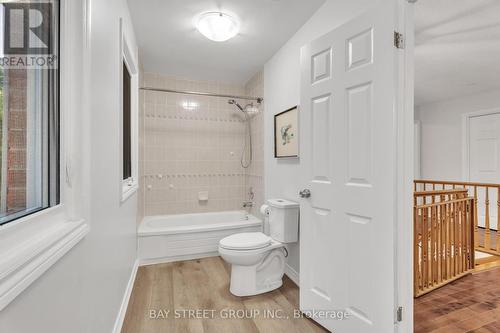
{"points": [[245, 241]]}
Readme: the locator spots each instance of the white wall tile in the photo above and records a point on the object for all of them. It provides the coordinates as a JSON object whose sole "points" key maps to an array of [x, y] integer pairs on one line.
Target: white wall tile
{"points": [[195, 150]]}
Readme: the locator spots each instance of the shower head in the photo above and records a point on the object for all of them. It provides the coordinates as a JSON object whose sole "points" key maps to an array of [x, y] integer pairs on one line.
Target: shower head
{"points": [[249, 108]]}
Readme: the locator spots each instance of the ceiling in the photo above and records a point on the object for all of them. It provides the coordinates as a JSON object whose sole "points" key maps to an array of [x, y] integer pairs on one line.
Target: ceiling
{"points": [[170, 44], [457, 48]]}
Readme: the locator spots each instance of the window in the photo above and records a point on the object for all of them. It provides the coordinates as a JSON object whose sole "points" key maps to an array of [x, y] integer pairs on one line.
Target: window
{"points": [[127, 126], [29, 108]]}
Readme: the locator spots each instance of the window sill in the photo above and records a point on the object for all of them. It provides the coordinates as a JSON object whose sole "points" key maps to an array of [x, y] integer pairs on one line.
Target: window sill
{"points": [[23, 264], [128, 190]]}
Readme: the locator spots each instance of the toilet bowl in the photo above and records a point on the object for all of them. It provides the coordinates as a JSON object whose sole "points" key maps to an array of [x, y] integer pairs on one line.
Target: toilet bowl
{"points": [[257, 262]]}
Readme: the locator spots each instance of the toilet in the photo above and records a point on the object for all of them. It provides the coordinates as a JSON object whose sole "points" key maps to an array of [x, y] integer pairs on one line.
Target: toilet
{"points": [[258, 260]]}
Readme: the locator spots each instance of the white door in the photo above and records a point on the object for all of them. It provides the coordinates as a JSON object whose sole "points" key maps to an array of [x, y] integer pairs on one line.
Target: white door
{"points": [[416, 150], [348, 148], [484, 152]]}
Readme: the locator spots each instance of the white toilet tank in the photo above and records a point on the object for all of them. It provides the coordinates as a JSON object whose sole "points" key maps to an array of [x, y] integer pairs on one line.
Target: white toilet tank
{"points": [[283, 220]]}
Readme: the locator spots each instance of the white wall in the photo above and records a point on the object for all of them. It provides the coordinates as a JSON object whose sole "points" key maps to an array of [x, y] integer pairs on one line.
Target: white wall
{"points": [[83, 291], [281, 91], [441, 134]]}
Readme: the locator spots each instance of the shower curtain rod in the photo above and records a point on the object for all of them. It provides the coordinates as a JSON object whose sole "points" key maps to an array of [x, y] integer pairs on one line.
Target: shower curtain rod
{"points": [[258, 99]]}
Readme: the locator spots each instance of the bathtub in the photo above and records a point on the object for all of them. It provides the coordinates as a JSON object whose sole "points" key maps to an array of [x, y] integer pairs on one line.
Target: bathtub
{"points": [[167, 238]]}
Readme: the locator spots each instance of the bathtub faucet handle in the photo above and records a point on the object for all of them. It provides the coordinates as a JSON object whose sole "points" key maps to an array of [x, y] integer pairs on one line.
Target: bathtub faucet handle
{"points": [[247, 204]]}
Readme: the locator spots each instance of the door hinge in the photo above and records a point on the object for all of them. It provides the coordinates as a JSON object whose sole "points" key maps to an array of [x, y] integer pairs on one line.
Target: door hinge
{"points": [[399, 314], [399, 40]]}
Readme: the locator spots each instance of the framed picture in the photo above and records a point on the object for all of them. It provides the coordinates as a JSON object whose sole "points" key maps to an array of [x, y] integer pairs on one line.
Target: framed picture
{"points": [[286, 133]]}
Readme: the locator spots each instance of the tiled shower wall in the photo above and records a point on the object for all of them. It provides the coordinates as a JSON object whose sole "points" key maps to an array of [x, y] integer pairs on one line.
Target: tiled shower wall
{"points": [[192, 144]]}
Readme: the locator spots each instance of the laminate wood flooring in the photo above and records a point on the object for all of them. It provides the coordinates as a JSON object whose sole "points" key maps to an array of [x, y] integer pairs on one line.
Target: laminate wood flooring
{"points": [[184, 289]]}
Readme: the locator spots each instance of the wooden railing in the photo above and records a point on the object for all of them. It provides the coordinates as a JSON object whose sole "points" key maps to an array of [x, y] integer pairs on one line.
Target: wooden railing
{"points": [[443, 238], [486, 213]]}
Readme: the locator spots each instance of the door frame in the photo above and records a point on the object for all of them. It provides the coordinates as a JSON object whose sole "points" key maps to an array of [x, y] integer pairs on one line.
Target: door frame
{"points": [[405, 108], [417, 133], [466, 117]]}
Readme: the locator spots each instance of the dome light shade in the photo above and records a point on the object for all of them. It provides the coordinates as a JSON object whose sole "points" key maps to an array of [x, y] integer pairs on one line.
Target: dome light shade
{"points": [[217, 26]]}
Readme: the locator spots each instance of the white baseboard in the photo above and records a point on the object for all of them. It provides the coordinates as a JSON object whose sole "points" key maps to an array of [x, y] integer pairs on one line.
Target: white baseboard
{"points": [[292, 274], [126, 298], [145, 262]]}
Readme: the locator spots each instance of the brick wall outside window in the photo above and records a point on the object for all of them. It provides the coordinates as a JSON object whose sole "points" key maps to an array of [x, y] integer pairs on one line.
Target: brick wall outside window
{"points": [[16, 107]]}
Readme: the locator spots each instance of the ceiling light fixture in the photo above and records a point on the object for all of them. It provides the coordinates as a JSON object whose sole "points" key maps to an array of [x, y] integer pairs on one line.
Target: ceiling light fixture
{"points": [[217, 26]]}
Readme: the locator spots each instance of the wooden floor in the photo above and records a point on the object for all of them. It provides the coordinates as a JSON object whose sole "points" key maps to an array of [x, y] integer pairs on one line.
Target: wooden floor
{"points": [[471, 304], [204, 285], [487, 263]]}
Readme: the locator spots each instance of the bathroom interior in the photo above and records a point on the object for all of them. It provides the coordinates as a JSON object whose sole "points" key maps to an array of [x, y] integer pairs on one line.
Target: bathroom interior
{"points": [[201, 171], [182, 176]]}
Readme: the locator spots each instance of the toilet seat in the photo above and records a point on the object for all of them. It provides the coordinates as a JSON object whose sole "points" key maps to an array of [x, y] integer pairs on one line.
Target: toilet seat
{"points": [[246, 241]]}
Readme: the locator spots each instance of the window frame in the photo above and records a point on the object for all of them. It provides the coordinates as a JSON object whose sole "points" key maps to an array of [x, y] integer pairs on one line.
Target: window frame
{"points": [[30, 245], [44, 184], [130, 185]]}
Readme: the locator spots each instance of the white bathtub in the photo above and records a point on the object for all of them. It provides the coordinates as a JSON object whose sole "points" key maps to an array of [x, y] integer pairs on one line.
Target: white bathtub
{"points": [[168, 238]]}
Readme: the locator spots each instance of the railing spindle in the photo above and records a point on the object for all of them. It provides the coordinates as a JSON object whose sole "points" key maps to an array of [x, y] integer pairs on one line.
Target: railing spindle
{"points": [[416, 250], [455, 266], [431, 245], [448, 242], [487, 236], [433, 197], [464, 235], [463, 225], [459, 238], [472, 252], [468, 233], [476, 226], [439, 243], [498, 221], [424, 248]]}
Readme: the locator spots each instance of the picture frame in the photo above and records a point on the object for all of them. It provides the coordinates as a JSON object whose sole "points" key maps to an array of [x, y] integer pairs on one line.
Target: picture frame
{"points": [[286, 133]]}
